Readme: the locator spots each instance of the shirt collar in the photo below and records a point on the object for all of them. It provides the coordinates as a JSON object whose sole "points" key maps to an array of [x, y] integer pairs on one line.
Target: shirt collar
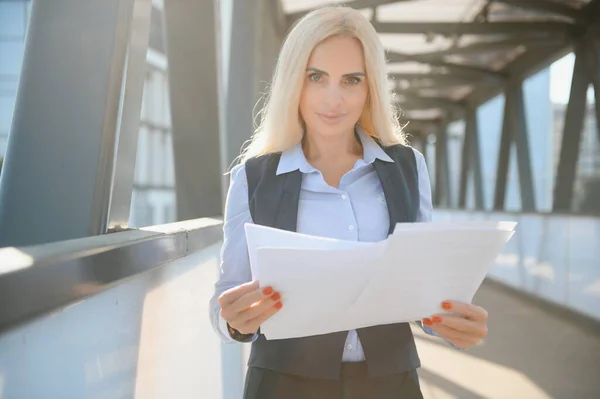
{"points": [[294, 159]]}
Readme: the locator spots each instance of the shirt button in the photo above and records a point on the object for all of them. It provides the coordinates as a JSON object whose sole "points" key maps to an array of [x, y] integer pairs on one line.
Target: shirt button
{"points": [[351, 227], [349, 347], [344, 196]]}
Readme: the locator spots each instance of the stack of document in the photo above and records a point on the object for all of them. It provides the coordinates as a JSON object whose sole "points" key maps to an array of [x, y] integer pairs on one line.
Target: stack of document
{"points": [[330, 285]]}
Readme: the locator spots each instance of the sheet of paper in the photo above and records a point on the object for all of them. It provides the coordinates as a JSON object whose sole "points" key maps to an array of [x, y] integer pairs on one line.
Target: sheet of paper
{"points": [[333, 285], [258, 236]]}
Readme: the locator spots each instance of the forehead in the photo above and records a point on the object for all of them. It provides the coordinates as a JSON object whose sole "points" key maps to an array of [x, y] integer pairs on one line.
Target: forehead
{"points": [[338, 53]]}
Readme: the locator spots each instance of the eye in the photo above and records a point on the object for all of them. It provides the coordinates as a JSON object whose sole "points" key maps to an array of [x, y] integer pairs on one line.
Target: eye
{"points": [[315, 77], [353, 80]]}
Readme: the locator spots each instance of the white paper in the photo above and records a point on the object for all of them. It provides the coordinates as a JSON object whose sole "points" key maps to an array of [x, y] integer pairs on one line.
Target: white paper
{"points": [[332, 285], [258, 236]]}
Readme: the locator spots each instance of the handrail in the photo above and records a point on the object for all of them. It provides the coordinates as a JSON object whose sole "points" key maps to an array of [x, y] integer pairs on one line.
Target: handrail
{"points": [[552, 213], [39, 279]]}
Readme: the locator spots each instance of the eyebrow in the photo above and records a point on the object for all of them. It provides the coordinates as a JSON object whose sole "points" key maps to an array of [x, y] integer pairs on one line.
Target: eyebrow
{"points": [[325, 73]]}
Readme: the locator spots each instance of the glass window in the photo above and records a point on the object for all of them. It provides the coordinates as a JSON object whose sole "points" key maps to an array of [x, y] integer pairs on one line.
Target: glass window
{"points": [[12, 19]]}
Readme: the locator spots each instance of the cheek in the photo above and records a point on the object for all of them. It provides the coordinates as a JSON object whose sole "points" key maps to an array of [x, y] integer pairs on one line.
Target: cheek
{"points": [[308, 102], [356, 101]]}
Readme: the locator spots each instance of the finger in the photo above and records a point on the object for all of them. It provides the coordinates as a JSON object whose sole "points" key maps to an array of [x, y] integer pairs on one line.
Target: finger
{"points": [[247, 300], [232, 294], [258, 308], [254, 323], [468, 310], [458, 338], [461, 324]]}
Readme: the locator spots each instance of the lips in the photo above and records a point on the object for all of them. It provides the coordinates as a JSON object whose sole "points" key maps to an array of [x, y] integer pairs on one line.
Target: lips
{"points": [[331, 118]]}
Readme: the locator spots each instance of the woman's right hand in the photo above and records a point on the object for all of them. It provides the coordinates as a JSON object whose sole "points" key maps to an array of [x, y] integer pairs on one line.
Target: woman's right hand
{"points": [[246, 307]]}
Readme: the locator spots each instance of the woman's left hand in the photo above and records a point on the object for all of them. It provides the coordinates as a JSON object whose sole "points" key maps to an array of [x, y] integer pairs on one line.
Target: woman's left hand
{"points": [[464, 327]]}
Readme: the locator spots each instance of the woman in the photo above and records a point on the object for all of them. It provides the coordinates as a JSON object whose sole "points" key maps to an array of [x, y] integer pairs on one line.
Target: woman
{"points": [[328, 159]]}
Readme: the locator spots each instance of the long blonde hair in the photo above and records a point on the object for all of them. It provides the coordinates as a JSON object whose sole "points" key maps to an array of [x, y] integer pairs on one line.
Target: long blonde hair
{"points": [[281, 127]]}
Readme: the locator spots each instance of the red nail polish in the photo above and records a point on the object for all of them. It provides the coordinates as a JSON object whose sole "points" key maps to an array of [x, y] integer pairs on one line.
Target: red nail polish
{"points": [[278, 305], [268, 291], [446, 305], [276, 296], [437, 319], [427, 322]]}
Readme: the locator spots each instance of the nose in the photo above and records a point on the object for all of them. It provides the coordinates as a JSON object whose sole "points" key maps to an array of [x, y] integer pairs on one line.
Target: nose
{"points": [[333, 95]]}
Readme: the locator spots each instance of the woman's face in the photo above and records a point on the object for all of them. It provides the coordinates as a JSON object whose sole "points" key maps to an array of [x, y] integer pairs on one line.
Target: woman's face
{"points": [[335, 88]]}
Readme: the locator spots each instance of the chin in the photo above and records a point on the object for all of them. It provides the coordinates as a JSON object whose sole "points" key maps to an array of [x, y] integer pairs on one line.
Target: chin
{"points": [[331, 129]]}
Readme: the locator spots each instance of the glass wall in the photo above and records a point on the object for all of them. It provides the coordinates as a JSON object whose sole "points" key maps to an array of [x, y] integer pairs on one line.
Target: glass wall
{"points": [[153, 199], [14, 16]]}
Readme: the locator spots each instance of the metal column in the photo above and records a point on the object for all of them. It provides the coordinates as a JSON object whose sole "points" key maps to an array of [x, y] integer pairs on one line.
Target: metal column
{"points": [[503, 158], [521, 136], [569, 152], [442, 169], [193, 90], [595, 79], [514, 128], [73, 141], [471, 161], [243, 81]]}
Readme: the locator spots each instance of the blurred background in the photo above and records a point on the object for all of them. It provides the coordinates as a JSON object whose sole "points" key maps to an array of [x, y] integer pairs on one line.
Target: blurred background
{"points": [[120, 118]]}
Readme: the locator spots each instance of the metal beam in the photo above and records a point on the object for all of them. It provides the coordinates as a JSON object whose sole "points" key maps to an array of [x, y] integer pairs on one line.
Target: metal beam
{"points": [[497, 45], [356, 4], [464, 170], [594, 71], [569, 151], [472, 127], [429, 102], [503, 158], [193, 90], [278, 16], [521, 136], [476, 28], [77, 108], [442, 169], [127, 142], [553, 7], [395, 57], [457, 78]]}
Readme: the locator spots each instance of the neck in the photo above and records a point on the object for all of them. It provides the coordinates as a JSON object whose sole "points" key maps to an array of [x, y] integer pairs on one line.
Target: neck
{"points": [[331, 149]]}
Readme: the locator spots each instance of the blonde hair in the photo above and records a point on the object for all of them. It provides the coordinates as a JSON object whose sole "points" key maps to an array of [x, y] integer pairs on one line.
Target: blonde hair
{"points": [[281, 127]]}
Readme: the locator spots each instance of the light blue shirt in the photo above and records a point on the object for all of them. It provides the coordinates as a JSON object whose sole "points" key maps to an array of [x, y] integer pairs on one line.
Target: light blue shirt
{"points": [[356, 211]]}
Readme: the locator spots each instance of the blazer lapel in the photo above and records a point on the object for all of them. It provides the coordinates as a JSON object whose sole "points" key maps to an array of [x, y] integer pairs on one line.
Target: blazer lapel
{"points": [[392, 185], [287, 213]]}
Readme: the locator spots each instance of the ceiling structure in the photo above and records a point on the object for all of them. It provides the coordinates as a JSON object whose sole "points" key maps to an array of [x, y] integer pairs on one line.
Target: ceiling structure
{"points": [[446, 55]]}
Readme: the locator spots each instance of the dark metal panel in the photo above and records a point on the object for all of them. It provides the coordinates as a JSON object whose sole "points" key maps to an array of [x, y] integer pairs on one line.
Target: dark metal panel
{"points": [[193, 90], [503, 157], [569, 152], [59, 167], [521, 134]]}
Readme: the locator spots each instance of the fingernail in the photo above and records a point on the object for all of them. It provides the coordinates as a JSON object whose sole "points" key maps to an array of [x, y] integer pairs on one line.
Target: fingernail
{"points": [[278, 305], [276, 296], [437, 319], [427, 322], [446, 305], [268, 291]]}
